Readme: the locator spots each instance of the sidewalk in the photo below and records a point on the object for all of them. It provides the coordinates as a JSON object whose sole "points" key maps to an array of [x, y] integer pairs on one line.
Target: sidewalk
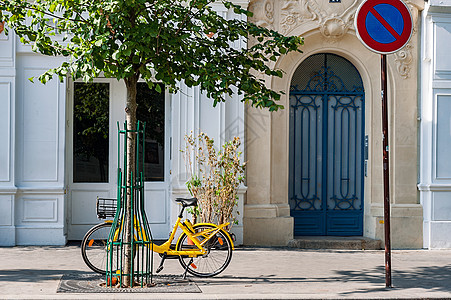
{"points": [[254, 273]]}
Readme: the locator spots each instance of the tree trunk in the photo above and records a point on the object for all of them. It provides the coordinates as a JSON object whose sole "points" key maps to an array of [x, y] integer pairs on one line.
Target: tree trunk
{"points": [[130, 116]]}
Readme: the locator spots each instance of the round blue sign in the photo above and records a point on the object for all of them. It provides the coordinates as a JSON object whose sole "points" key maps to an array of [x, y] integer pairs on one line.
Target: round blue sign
{"points": [[384, 26]]}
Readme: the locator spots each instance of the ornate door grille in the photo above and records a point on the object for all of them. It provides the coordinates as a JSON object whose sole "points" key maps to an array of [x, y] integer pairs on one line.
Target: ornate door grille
{"points": [[326, 147]]}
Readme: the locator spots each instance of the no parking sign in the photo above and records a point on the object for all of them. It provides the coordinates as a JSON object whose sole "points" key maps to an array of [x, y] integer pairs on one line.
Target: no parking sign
{"points": [[383, 26]]}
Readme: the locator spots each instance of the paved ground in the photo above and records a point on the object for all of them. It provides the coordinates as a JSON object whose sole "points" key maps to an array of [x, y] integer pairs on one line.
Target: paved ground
{"points": [[254, 273]]}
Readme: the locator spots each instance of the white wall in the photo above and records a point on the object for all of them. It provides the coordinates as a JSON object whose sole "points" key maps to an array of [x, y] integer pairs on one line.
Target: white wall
{"points": [[435, 143]]}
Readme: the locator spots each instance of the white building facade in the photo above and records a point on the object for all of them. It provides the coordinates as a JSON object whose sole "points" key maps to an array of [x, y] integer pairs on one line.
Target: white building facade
{"points": [[48, 188], [49, 181], [435, 115]]}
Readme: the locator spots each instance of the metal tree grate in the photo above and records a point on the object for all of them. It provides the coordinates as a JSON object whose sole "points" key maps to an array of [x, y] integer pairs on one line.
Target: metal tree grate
{"points": [[140, 273]]}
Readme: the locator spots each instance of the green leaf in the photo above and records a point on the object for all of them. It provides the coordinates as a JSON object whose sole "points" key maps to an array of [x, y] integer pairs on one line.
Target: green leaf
{"points": [[158, 88]]}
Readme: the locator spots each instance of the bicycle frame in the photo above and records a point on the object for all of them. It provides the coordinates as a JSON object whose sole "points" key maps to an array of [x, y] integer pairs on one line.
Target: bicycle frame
{"points": [[188, 229]]}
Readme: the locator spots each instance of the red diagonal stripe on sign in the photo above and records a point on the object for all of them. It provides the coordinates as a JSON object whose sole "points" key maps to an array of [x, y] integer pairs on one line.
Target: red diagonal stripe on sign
{"points": [[384, 23]]}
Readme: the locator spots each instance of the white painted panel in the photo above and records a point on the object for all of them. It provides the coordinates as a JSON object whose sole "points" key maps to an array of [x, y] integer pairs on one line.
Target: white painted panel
{"points": [[426, 234], [5, 132], [27, 236], [440, 236], [176, 140], [155, 204], [3, 36], [185, 109], [441, 206], [6, 210], [210, 118], [6, 50], [40, 210], [39, 161], [440, 2], [442, 46], [443, 137], [7, 236], [426, 202], [40, 128], [234, 120], [83, 209]]}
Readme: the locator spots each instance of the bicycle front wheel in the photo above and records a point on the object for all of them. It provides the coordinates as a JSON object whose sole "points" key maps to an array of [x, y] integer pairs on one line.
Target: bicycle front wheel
{"points": [[217, 258], [94, 247]]}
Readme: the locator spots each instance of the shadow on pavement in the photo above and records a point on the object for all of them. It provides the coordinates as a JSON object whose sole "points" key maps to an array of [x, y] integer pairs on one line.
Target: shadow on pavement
{"points": [[434, 278], [35, 275]]}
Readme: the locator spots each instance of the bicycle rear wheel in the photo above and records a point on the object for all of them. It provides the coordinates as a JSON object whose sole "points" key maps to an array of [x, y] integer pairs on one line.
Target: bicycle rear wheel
{"points": [[94, 247], [217, 258]]}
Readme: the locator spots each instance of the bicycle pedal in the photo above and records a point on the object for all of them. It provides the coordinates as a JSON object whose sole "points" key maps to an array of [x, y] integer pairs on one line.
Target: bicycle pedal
{"points": [[159, 269]]}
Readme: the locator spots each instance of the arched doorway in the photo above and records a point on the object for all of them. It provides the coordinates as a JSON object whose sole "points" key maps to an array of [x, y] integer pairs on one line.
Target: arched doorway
{"points": [[327, 110]]}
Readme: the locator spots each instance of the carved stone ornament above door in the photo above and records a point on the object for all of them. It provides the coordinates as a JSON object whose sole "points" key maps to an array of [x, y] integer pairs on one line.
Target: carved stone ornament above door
{"points": [[333, 19], [404, 57], [263, 11]]}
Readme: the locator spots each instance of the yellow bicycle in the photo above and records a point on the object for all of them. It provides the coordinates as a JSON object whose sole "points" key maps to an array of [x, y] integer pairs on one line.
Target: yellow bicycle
{"points": [[203, 249]]}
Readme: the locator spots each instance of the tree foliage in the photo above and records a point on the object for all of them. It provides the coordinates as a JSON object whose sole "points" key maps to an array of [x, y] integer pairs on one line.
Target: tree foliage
{"points": [[164, 41]]}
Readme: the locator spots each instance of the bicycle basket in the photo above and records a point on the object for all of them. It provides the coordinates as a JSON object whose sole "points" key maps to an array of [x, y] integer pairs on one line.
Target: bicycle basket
{"points": [[106, 207]]}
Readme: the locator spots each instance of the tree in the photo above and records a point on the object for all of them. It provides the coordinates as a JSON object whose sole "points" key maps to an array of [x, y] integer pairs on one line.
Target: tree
{"points": [[167, 41]]}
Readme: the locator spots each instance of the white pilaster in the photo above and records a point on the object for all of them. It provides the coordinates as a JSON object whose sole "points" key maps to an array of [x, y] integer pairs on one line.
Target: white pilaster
{"points": [[39, 156], [7, 139]]}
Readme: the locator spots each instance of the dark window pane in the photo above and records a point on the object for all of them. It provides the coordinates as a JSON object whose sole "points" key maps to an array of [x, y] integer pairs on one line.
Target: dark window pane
{"points": [[91, 123], [151, 110]]}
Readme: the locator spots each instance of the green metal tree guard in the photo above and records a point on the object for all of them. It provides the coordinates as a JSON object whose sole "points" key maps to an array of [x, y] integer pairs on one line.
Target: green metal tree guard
{"points": [[141, 240]]}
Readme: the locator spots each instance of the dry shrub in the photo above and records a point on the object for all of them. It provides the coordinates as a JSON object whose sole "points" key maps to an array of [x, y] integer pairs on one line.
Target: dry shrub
{"points": [[214, 177]]}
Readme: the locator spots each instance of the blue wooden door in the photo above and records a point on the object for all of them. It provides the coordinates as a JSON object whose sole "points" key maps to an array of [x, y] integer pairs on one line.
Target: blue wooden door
{"points": [[326, 147]]}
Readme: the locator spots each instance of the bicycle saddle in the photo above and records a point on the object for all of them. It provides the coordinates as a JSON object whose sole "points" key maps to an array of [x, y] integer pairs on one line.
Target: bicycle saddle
{"points": [[187, 202]]}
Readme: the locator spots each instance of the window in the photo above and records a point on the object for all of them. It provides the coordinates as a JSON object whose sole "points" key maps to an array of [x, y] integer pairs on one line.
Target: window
{"points": [[90, 135], [151, 109]]}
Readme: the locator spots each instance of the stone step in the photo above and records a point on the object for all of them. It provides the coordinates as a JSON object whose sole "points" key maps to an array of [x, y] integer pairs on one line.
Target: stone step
{"points": [[332, 242]]}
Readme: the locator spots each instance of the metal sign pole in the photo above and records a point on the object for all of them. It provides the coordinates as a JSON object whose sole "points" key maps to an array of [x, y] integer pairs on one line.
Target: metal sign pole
{"points": [[381, 32], [386, 170]]}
